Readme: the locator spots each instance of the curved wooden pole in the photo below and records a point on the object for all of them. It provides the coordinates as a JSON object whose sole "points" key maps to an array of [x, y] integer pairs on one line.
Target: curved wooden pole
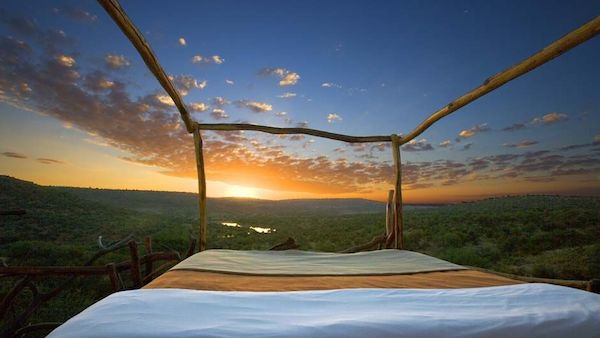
{"points": [[305, 131], [117, 13], [567, 42]]}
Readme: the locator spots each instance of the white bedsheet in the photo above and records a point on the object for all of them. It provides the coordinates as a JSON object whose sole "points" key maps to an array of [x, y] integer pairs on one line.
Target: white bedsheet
{"points": [[525, 310]]}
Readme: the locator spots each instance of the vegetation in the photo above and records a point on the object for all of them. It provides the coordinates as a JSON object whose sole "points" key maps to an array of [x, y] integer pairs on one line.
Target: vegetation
{"points": [[542, 236]]}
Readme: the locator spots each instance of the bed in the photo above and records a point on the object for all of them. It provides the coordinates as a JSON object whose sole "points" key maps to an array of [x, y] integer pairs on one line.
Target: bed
{"points": [[383, 293]]}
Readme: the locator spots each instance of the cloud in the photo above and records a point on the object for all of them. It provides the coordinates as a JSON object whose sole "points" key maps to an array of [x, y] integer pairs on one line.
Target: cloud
{"points": [[445, 144], [550, 118], [97, 82], [184, 83], [164, 99], [150, 133], [281, 114], [597, 138], [198, 107], [466, 133], [522, 144], [182, 42], [49, 161], [287, 95], [219, 114], [515, 127], [332, 117], [65, 60], [288, 78], [14, 155], [216, 59], [330, 85], [257, 107], [77, 14], [420, 145], [219, 101], [115, 61], [467, 146], [229, 82]]}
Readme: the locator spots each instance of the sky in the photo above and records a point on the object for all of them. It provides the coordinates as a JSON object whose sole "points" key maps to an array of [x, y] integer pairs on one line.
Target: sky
{"points": [[79, 108]]}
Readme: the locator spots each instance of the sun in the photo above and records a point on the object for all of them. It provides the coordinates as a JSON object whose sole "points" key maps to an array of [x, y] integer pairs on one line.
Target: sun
{"points": [[241, 191]]}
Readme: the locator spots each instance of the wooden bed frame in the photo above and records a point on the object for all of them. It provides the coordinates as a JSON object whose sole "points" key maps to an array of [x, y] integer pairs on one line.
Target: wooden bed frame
{"points": [[394, 222]]}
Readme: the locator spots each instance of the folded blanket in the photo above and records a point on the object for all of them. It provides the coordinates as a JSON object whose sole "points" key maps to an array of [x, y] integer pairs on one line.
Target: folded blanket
{"points": [[525, 310], [309, 263]]}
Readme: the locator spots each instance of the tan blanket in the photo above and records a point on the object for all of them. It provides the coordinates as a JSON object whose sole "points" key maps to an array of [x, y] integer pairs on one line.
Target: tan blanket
{"points": [[200, 280]]}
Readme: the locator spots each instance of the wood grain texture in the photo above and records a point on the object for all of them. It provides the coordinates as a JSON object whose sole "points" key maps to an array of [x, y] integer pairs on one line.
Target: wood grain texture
{"points": [[201, 190]]}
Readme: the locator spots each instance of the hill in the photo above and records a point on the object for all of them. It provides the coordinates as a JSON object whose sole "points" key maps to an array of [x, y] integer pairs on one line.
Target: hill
{"points": [[187, 203]]}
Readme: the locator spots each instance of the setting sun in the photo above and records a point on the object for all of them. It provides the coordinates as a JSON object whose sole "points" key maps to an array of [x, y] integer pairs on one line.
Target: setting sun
{"points": [[240, 191]]}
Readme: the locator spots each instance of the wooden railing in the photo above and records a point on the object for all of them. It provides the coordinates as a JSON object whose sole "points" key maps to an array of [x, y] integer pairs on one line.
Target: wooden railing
{"points": [[141, 269]]}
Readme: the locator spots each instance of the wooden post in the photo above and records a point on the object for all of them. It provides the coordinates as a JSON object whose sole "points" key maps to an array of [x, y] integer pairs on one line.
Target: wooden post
{"points": [[149, 266], [111, 269], [389, 214], [201, 190], [398, 220], [136, 274]]}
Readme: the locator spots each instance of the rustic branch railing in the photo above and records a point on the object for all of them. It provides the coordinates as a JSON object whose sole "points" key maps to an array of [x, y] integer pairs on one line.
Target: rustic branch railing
{"points": [[560, 46], [17, 325]]}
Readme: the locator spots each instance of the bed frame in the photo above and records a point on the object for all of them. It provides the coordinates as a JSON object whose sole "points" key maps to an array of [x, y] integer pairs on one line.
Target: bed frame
{"points": [[394, 221]]}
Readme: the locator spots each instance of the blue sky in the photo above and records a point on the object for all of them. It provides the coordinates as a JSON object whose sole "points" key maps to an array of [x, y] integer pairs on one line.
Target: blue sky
{"points": [[380, 67]]}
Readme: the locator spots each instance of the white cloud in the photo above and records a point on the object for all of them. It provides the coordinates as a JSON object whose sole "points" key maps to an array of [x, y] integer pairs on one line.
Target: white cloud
{"points": [[219, 101], [288, 78], [330, 85], [229, 82], [550, 118], [466, 133], [182, 42], [257, 107], [65, 60], [184, 83], [287, 95], [332, 117], [445, 144], [219, 114], [282, 113], [198, 106], [116, 61], [216, 59], [165, 99]]}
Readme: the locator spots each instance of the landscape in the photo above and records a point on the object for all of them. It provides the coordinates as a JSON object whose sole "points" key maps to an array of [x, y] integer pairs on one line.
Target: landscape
{"points": [[542, 236], [431, 167]]}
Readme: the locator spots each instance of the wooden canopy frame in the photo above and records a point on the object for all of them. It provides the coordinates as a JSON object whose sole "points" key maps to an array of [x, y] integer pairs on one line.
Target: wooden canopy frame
{"points": [[394, 220]]}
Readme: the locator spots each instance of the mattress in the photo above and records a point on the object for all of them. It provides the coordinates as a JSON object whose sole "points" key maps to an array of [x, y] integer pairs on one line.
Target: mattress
{"points": [[525, 310], [232, 270]]}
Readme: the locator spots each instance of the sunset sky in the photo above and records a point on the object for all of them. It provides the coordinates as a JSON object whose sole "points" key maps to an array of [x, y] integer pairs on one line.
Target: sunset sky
{"points": [[79, 108]]}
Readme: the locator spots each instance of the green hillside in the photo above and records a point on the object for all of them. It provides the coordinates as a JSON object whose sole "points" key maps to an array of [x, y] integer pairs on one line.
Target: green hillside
{"points": [[546, 236]]}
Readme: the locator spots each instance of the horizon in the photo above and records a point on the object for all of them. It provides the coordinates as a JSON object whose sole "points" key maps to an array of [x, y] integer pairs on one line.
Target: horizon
{"points": [[299, 199], [71, 82]]}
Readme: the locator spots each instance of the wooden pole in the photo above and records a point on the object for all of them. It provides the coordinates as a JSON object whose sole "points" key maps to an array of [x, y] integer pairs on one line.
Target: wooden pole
{"points": [[305, 131], [389, 214], [136, 274], [148, 266], [398, 220], [558, 47], [113, 8], [111, 269], [201, 191]]}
